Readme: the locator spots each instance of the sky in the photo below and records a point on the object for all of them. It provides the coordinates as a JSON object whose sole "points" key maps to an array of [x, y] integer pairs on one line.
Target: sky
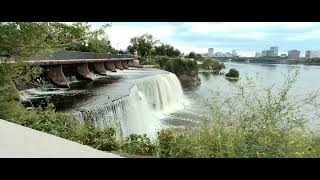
{"points": [[244, 37]]}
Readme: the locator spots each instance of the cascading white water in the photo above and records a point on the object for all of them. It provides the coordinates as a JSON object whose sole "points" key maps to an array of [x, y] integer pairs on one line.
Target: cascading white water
{"points": [[149, 100]]}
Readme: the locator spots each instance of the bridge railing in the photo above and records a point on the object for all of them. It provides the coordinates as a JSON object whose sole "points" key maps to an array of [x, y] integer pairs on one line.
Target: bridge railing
{"points": [[65, 55]]}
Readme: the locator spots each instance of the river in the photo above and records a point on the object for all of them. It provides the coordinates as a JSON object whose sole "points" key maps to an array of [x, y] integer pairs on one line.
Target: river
{"points": [[145, 100]]}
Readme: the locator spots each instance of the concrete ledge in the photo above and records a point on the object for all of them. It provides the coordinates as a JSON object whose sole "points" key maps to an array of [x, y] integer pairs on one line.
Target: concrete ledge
{"points": [[72, 61], [124, 64], [17, 141], [99, 68], [110, 66], [84, 71], [57, 76], [118, 65]]}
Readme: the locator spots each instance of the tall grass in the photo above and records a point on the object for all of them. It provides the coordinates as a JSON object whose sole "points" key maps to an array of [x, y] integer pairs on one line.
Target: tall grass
{"points": [[249, 123]]}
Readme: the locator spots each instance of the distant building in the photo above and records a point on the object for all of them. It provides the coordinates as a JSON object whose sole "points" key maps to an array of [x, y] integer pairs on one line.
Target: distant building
{"points": [[210, 52], [258, 54], [307, 55], [234, 53], [283, 55], [204, 55], [227, 54], [219, 54], [293, 55], [314, 54], [266, 53], [274, 51]]}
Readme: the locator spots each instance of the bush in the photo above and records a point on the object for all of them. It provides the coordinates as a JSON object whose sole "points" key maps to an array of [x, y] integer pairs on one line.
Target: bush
{"points": [[211, 64], [178, 66], [138, 144], [102, 139], [233, 73], [145, 61], [249, 123]]}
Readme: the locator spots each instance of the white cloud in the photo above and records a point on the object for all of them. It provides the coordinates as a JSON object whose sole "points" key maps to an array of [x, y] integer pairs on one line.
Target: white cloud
{"points": [[120, 35], [207, 27]]}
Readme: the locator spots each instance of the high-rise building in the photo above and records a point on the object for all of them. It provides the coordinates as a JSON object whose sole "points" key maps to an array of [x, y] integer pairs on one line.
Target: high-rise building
{"points": [[274, 51], [307, 55], [293, 55], [266, 53], [210, 52], [234, 53], [258, 54], [314, 54], [219, 54], [227, 54]]}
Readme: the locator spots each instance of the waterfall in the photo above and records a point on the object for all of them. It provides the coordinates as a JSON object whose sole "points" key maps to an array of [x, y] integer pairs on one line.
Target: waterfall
{"points": [[149, 100]]}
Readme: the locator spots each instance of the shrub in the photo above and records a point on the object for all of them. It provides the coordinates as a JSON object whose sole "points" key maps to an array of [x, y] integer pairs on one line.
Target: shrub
{"points": [[102, 139], [211, 64], [178, 66], [138, 144], [233, 73], [249, 123]]}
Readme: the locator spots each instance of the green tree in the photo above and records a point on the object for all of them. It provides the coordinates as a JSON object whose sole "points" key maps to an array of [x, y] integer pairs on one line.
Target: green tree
{"points": [[142, 45], [211, 64], [166, 50], [193, 55], [20, 41]]}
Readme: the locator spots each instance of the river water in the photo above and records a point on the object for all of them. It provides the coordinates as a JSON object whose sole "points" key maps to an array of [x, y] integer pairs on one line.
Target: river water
{"points": [[145, 100]]}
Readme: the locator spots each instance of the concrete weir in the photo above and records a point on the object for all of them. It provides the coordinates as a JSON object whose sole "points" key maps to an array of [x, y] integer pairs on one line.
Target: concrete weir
{"points": [[99, 68], [55, 73], [118, 65], [84, 71], [124, 64], [130, 63], [110, 66]]}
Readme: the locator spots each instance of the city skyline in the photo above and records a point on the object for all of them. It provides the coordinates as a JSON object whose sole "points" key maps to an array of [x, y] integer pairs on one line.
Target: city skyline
{"points": [[245, 37]]}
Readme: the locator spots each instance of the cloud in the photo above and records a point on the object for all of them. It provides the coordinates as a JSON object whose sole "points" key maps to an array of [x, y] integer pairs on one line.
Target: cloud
{"points": [[246, 37], [120, 35]]}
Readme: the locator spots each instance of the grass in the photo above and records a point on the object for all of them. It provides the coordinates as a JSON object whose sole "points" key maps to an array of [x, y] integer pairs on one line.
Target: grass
{"points": [[250, 123]]}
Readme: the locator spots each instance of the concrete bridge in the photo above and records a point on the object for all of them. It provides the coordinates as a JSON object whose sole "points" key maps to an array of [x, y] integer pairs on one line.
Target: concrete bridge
{"points": [[82, 64]]}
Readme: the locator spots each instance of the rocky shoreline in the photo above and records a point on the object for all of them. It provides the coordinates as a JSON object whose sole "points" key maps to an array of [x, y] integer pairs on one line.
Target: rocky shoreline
{"points": [[190, 81]]}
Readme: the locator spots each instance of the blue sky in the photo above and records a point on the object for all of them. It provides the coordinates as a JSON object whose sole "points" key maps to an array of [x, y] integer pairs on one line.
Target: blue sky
{"points": [[245, 37]]}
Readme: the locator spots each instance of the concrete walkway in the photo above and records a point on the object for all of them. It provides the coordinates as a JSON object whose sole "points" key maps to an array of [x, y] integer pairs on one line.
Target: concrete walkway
{"points": [[17, 141]]}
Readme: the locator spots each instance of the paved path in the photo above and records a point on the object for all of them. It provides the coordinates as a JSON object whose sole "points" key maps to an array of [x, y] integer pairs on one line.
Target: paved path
{"points": [[21, 142]]}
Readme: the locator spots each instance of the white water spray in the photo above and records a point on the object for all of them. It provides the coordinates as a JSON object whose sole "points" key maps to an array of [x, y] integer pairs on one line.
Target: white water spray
{"points": [[150, 99]]}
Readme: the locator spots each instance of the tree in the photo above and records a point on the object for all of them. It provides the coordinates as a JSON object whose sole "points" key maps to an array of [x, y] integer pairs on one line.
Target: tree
{"points": [[92, 41], [166, 50], [193, 55], [20, 41], [211, 64], [142, 45], [233, 73]]}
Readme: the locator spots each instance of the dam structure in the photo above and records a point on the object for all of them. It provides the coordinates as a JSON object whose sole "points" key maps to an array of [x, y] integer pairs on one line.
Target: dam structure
{"points": [[82, 64]]}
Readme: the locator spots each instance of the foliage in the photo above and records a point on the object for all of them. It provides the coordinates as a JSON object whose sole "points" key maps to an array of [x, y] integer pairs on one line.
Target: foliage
{"points": [[165, 143], [145, 61], [249, 123], [211, 64], [195, 56], [178, 66], [165, 50], [233, 73], [138, 144], [103, 139], [142, 45], [22, 40]]}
